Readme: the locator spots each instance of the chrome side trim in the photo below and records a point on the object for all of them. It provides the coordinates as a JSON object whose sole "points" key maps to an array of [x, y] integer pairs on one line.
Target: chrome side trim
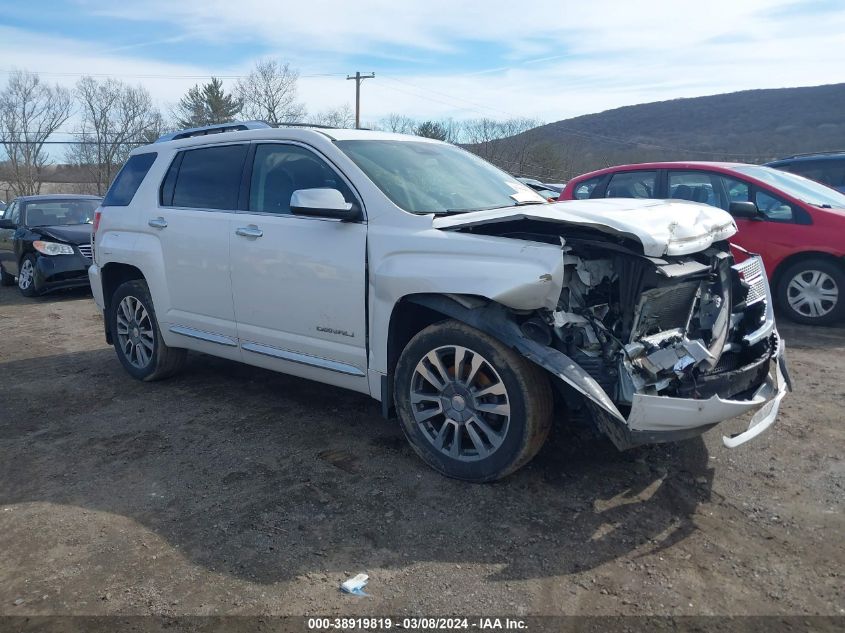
{"points": [[302, 359], [202, 335]]}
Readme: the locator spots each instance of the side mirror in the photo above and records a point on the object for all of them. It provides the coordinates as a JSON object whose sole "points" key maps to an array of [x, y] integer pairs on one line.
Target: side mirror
{"points": [[323, 203], [7, 223], [744, 210]]}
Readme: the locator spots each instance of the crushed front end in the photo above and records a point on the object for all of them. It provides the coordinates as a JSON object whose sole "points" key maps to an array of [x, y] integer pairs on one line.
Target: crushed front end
{"points": [[678, 344]]}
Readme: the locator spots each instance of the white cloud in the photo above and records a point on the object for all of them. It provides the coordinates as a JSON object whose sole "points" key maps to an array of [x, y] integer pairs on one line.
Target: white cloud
{"points": [[557, 59]]}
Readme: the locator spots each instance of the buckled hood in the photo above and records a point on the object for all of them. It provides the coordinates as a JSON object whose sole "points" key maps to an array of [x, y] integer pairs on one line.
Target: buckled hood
{"points": [[663, 227], [70, 234]]}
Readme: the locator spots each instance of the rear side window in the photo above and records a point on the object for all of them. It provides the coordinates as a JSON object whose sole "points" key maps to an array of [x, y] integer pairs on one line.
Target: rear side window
{"points": [[632, 184], [207, 178], [584, 190], [123, 188]]}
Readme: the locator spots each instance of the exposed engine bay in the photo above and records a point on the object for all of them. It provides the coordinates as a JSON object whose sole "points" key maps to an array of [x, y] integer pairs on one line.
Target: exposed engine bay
{"points": [[694, 327]]}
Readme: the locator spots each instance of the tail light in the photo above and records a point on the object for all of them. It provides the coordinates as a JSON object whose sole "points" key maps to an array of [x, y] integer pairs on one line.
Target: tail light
{"points": [[97, 215]]}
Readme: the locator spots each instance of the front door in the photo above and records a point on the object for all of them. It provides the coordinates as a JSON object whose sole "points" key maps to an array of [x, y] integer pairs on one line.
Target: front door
{"points": [[299, 283]]}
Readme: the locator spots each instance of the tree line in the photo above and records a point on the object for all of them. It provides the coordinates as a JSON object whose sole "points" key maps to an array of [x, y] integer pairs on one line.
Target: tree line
{"points": [[111, 117]]}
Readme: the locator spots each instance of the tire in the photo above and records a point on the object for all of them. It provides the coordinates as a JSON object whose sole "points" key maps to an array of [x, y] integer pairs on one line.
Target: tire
{"points": [[5, 278], [136, 335], [26, 277], [454, 426], [821, 285]]}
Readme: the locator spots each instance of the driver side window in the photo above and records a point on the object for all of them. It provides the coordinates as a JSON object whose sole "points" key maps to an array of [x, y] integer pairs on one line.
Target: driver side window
{"points": [[279, 170]]}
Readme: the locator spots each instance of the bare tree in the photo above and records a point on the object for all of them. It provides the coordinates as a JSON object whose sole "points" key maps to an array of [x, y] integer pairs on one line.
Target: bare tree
{"points": [[342, 116], [30, 112], [115, 118], [398, 123], [268, 93]]}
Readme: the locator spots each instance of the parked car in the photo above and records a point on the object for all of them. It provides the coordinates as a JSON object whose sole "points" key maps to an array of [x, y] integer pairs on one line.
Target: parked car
{"points": [[827, 168], [548, 191], [413, 271], [795, 224], [45, 242]]}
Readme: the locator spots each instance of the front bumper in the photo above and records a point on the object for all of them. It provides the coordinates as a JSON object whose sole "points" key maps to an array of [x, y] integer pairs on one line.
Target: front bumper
{"points": [[659, 415], [53, 272]]}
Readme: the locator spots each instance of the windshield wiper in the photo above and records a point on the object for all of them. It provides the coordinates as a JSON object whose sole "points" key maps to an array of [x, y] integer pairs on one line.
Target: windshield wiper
{"points": [[497, 206]]}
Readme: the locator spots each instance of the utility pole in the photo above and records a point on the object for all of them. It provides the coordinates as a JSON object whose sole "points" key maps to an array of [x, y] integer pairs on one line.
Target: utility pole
{"points": [[358, 77]]}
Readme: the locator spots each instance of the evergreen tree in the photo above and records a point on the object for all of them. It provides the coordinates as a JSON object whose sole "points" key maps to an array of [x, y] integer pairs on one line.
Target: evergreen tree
{"points": [[206, 105], [432, 129]]}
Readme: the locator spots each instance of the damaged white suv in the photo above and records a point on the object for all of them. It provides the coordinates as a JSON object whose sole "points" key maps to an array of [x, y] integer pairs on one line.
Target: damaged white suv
{"points": [[413, 271]]}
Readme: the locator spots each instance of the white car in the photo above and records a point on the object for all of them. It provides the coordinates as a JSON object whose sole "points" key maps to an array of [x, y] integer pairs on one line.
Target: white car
{"points": [[413, 271]]}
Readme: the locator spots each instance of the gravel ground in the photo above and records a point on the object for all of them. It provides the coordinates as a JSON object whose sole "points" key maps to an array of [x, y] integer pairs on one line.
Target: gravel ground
{"points": [[234, 490]]}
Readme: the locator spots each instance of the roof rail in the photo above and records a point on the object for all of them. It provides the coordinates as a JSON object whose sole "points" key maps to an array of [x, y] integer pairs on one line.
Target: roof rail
{"points": [[824, 153], [298, 124], [232, 126]]}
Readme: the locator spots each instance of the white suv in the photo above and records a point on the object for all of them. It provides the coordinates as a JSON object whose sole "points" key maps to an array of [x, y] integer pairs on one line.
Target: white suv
{"points": [[413, 271]]}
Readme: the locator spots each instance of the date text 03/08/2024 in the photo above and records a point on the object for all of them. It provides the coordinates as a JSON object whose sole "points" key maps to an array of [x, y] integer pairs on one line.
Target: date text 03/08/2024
{"points": [[417, 623]]}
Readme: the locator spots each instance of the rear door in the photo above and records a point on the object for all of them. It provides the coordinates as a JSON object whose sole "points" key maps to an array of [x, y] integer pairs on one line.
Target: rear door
{"points": [[198, 198], [299, 283]]}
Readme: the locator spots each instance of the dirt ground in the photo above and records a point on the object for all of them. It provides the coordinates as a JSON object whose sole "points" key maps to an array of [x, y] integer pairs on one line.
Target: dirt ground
{"points": [[234, 490]]}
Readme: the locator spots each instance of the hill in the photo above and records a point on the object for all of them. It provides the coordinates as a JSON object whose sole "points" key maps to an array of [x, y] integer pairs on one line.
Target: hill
{"points": [[747, 126]]}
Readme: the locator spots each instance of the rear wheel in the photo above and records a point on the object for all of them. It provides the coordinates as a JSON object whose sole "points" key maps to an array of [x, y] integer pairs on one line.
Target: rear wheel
{"points": [[5, 278], [136, 335], [26, 277], [471, 407], [812, 291]]}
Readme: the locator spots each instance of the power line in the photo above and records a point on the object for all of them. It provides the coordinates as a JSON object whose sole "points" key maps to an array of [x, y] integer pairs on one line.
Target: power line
{"points": [[7, 71]]}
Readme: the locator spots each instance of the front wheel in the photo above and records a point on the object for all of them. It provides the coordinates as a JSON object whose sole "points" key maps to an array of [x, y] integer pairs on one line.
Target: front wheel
{"points": [[812, 291], [26, 277], [136, 335], [471, 407]]}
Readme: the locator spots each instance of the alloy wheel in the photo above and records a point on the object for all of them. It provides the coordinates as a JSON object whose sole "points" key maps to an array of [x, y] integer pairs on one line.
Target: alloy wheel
{"points": [[26, 274], [812, 293], [135, 332], [460, 403]]}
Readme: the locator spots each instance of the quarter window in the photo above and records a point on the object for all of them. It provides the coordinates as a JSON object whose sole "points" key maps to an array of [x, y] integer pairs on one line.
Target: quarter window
{"points": [[123, 188], [773, 208], [632, 184], [279, 170], [208, 178], [584, 190]]}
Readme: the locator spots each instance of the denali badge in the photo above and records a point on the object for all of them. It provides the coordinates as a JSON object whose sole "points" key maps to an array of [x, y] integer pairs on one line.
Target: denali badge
{"points": [[330, 330]]}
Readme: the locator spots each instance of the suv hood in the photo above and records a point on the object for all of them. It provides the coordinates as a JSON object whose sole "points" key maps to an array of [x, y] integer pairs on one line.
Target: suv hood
{"points": [[662, 227], [70, 233]]}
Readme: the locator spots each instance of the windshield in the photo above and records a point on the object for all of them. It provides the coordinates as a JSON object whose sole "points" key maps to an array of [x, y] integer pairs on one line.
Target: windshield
{"points": [[59, 212], [796, 186], [423, 177]]}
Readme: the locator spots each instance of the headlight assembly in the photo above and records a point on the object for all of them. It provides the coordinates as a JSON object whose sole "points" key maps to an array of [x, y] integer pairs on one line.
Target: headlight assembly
{"points": [[52, 248]]}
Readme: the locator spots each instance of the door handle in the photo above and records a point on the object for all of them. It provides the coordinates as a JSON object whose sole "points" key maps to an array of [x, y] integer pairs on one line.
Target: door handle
{"points": [[158, 223], [249, 231]]}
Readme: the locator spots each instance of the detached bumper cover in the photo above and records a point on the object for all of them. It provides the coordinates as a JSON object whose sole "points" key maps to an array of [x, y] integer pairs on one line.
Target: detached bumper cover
{"points": [[661, 414]]}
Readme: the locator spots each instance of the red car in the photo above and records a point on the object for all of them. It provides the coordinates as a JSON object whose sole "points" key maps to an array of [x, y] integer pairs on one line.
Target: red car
{"points": [[796, 225]]}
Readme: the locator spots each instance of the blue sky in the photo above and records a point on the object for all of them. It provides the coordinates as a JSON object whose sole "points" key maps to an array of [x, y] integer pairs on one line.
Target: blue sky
{"points": [[439, 58]]}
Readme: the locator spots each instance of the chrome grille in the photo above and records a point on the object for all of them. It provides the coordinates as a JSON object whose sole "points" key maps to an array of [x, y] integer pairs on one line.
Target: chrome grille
{"points": [[85, 249], [753, 274]]}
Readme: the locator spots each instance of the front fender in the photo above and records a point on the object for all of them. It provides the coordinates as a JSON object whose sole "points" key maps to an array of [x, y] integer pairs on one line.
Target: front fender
{"points": [[494, 319]]}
